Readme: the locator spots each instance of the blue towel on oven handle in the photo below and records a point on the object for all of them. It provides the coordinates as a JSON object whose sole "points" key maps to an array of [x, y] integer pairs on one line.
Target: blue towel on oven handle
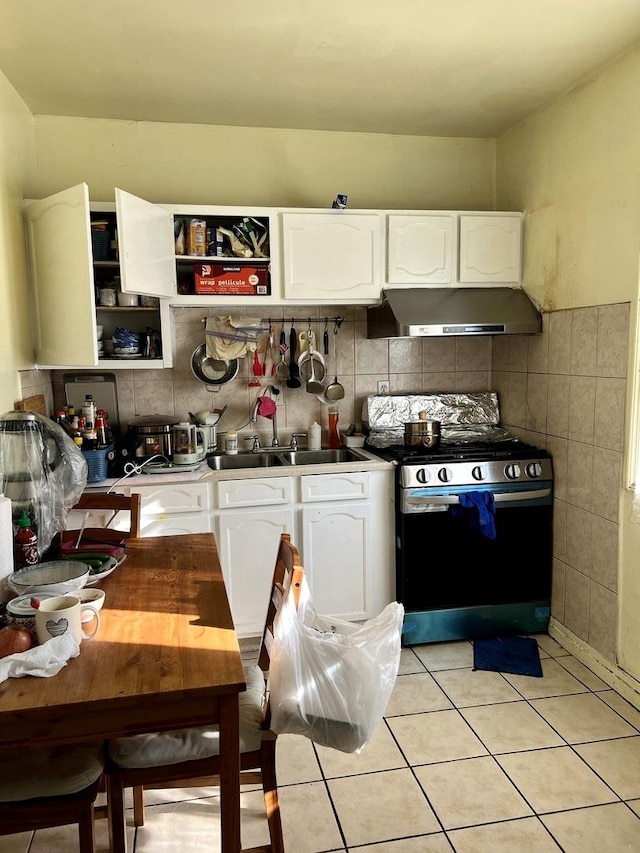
{"points": [[479, 509]]}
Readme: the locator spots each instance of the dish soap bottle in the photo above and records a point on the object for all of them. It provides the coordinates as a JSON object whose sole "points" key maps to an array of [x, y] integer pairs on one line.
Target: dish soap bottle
{"points": [[25, 543], [334, 436]]}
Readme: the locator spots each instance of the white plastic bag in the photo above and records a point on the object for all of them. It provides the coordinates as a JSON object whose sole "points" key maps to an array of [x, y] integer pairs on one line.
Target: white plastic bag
{"points": [[331, 680]]}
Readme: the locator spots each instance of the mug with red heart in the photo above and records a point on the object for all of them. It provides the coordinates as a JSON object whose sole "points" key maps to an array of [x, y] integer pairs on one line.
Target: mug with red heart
{"points": [[63, 615]]}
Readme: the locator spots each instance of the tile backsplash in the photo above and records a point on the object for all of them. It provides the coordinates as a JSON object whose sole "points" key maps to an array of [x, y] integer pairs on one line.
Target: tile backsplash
{"points": [[408, 364], [565, 390]]}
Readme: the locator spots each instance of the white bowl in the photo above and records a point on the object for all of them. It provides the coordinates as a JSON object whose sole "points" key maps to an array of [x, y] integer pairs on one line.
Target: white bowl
{"points": [[57, 576], [94, 597]]}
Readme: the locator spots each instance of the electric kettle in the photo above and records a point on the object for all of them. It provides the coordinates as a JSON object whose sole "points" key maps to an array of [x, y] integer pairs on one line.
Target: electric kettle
{"points": [[190, 443]]}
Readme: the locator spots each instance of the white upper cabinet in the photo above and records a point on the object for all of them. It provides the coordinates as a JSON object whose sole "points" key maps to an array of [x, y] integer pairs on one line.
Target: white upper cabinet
{"points": [[333, 256], [67, 265], [145, 232], [420, 249], [490, 249], [61, 268]]}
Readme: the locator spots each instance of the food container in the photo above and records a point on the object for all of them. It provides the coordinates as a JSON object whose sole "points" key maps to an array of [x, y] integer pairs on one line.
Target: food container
{"points": [[22, 614], [422, 432]]}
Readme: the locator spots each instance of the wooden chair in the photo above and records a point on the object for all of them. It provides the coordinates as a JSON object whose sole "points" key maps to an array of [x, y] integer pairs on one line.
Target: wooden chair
{"points": [[30, 785], [114, 503], [257, 762]]}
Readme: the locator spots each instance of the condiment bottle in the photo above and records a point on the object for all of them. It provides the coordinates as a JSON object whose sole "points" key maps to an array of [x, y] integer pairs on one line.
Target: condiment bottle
{"points": [[25, 543], [334, 436], [89, 411], [314, 436], [231, 443], [101, 430]]}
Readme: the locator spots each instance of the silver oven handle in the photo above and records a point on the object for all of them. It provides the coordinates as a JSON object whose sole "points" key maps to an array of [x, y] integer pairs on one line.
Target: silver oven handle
{"points": [[439, 503]]}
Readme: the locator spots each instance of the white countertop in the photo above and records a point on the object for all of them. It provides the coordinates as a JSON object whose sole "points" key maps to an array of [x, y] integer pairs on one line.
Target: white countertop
{"points": [[204, 472]]}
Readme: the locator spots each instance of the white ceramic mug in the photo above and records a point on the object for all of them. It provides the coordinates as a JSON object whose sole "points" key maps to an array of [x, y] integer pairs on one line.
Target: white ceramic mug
{"points": [[63, 615]]}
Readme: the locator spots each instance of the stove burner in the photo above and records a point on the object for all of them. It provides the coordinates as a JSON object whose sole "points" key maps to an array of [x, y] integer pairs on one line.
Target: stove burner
{"points": [[452, 451]]}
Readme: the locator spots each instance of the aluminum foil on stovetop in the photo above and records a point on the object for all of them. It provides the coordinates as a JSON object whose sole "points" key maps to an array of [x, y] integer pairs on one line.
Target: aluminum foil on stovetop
{"points": [[463, 417], [393, 411]]}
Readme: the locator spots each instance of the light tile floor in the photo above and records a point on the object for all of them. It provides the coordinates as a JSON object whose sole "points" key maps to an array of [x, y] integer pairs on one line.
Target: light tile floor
{"points": [[465, 761]]}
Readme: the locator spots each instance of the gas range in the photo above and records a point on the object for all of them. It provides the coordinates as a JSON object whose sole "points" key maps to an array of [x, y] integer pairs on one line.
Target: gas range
{"points": [[469, 463]]}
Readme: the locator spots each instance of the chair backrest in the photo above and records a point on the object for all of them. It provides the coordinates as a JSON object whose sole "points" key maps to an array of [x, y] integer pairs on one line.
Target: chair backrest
{"points": [[288, 571], [114, 503]]}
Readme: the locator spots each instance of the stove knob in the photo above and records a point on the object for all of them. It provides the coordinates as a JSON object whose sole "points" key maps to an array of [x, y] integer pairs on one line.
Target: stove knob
{"points": [[512, 471], [477, 473], [422, 475], [445, 475], [533, 469]]}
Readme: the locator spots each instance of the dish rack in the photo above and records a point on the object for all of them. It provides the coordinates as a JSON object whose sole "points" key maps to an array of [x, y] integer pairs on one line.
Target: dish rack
{"points": [[97, 463]]}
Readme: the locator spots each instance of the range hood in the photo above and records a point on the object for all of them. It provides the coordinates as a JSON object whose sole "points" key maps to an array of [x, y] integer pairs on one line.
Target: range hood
{"points": [[437, 312]]}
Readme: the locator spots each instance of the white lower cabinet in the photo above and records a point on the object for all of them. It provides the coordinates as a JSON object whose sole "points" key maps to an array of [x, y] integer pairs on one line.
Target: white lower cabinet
{"points": [[342, 524], [336, 540], [248, 542], [170, 510]]}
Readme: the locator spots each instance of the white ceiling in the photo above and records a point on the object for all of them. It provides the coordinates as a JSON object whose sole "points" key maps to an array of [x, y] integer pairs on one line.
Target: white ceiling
{"points": [[469, 68]]}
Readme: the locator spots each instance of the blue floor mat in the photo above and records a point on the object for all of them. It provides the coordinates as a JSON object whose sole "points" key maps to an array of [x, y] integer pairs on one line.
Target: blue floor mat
{"points": [[517, 655]]}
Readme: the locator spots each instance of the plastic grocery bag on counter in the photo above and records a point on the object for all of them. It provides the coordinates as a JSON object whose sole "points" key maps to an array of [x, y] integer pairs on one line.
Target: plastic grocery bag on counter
{"points": [[331, 680]]}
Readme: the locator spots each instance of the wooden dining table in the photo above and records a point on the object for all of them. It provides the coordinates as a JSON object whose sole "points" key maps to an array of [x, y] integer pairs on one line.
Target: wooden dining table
{"points": [[166, 656]]}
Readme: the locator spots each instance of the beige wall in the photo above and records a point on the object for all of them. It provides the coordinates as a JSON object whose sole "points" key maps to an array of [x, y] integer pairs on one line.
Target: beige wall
{"points": [[252, 166], [574, 169], [17, 162]]}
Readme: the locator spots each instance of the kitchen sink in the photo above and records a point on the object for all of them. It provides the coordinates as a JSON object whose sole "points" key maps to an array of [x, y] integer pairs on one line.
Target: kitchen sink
{"points": [[322, 457], [284, 457], [243, 460]]}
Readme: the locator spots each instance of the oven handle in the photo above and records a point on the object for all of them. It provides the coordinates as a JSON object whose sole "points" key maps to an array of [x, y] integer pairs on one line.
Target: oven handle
{"points": [[439, 503]]}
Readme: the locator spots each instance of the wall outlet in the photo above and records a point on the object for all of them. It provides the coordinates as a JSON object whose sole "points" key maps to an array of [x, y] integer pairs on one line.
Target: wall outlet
{"points": [[383, 386]]}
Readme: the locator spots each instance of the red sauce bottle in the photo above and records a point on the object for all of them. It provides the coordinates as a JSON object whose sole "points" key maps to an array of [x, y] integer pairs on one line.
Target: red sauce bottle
{"points": [[25, 543]]}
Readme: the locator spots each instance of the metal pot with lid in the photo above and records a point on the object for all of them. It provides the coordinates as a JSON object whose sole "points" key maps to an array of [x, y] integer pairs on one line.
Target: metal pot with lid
{"points": [[422, 432], [152, 435]]}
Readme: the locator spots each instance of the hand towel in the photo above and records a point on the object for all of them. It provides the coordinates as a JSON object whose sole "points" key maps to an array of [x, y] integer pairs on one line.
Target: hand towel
{"points": [[479, 509], [44, 660], [232, 337]]}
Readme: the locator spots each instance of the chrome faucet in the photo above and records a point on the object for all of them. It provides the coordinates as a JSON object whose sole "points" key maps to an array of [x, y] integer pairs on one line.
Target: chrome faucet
{"points": [[255, 447], [274, 423]]}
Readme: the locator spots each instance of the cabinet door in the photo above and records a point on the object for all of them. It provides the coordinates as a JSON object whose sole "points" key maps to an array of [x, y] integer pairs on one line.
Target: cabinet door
{"points": [[145, 240], [248, 542], [61, 267], [175, 525], [169, 499], [336, 543], [490, 249], [263, 491], [332, 256], [420, 249]]}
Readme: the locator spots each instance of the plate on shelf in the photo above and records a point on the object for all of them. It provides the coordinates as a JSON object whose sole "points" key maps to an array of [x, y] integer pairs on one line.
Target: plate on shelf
{"points": [[128, 355]]}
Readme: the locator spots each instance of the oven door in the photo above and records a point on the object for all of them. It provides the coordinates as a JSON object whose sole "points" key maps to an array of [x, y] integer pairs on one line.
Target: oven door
{"points": [[442, 561]]}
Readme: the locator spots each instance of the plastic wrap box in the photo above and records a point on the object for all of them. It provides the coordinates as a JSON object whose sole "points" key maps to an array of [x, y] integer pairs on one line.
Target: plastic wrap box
{"points": [[232, 280]]}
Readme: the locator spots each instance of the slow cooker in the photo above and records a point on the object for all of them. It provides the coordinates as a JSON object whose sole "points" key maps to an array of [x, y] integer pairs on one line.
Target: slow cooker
{"points": [[151, 436]]}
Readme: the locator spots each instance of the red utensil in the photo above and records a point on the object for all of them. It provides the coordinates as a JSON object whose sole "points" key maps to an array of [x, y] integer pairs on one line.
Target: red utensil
{"points": [[257, 367]]}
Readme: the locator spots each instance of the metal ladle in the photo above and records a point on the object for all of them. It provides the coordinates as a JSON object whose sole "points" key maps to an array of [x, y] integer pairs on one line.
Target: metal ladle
{"points": [[334, 390], [313, 385]]}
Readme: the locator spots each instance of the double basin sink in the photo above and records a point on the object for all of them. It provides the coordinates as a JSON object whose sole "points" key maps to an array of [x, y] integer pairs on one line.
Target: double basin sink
{"points": [[284, 457]]}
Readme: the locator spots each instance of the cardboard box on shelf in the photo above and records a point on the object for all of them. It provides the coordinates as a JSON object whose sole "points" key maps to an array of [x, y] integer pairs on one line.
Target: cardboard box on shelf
{"points": [[232, 280]]}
